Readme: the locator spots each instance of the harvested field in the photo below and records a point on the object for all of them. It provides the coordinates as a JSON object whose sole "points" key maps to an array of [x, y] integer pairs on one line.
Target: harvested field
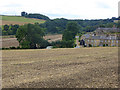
{"points": [[60, 68], [12, 42], [51, 38], [13, 22], [9, 42]]}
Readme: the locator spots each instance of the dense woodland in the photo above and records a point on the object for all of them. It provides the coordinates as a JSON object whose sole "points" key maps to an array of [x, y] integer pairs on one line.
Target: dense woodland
{"points": [[57, 26]]}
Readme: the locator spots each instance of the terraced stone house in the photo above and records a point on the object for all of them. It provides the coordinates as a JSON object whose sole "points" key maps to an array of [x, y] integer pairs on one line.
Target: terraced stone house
{"points": [[101, 37]]}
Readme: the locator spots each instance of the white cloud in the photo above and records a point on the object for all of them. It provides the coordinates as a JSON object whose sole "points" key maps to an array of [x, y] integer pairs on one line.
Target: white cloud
{"points": [[80, 9]]}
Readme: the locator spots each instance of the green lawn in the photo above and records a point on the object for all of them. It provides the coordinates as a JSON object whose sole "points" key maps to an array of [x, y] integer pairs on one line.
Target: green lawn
{"points": [[21, 19]]}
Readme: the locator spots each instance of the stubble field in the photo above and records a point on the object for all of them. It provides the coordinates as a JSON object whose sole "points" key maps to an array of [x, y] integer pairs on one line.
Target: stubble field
{"points": [[11, 41], [60, 68]]}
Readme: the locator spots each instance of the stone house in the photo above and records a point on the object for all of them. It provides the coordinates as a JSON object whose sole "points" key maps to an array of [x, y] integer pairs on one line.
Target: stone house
{"points": [[101, 37]]}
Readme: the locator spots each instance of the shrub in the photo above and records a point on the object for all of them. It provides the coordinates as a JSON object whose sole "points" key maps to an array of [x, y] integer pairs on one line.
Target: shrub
{"points": [[90, 45], [103, 45], [18, 47], [12, 47], [106, 44]]}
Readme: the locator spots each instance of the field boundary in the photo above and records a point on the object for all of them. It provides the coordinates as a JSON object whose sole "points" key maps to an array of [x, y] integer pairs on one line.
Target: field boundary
{"points": [[18, 20]]}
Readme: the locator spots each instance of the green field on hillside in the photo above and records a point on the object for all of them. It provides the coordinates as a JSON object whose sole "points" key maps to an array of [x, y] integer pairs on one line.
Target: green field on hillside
{"points": [[21, 19]]}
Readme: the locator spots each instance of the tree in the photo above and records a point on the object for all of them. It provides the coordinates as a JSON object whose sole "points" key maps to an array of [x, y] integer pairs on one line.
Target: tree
{"points": [[72, 29], [9, 29], [6, 27], [38, 16], [30, 36], [14, 29], [67, 35], [68, 44], [23, 14], [118, 25]]}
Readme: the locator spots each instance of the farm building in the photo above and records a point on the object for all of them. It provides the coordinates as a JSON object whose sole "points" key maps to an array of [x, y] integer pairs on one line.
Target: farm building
{"points": [[101, 37]]}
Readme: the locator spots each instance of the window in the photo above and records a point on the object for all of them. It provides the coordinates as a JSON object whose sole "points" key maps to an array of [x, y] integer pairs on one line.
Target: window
{"points": [[116, 41], [95, 44], [112, 41], [101, 40], [113, 45]]}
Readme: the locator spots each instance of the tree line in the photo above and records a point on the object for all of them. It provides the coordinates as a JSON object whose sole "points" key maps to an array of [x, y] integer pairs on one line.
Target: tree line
{"points": [[35, 15], [59, 25], [9, 29], [30, 36]]}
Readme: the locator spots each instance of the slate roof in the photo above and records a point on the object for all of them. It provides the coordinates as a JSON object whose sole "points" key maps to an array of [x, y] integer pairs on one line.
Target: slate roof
{"points": [[87, 36], [95, 37], [103, 38], [108, 29]]}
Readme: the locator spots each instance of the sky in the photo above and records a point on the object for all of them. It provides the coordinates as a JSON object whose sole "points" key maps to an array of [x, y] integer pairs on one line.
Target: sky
{"points": [[69, 9]]}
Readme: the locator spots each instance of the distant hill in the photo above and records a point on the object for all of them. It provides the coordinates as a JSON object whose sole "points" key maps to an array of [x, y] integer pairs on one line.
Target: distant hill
{"points": [[34, 15], [19, 20]]}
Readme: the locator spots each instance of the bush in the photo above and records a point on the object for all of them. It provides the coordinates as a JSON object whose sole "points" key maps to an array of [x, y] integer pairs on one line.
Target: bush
{"points": [[57, 44], [25, 44], [90, 45], [12, 47], [44, 44], [49, 39], [106, 44], [18, 47], [103, 45], [63, 44], [67, 44], [75, 45], [5, 48]]}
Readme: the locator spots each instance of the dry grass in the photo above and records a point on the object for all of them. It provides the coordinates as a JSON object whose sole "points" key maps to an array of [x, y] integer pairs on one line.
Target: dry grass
{"points": [[64, 68]]}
